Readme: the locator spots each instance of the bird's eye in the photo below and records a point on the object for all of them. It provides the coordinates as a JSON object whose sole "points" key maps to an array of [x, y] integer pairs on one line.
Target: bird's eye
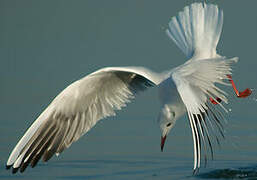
{"points": [[168, 124]]}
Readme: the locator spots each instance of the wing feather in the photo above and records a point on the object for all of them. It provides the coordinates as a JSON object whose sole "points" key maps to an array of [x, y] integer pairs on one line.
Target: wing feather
{"points": [[77, 109], [196, 81]]}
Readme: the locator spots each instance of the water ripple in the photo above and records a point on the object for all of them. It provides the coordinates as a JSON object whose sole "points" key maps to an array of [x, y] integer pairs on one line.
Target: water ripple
{"points": [[232, 173]]}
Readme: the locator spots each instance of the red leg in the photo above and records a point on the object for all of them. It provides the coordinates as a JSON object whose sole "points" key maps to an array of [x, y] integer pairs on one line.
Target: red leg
{"points": [[247, 92]]}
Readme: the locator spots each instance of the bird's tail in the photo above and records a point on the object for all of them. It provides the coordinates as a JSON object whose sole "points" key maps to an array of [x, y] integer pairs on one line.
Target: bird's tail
{"points": [[196, 30]]}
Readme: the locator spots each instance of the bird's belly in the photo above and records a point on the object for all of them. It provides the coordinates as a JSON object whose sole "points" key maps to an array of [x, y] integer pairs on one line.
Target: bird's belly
{"points": [[169, 96], [168, 92]]}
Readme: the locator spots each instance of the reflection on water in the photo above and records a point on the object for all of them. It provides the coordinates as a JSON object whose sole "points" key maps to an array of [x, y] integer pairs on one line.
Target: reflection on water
{"points": [[116, 173], [231, 173], [142, 169]]}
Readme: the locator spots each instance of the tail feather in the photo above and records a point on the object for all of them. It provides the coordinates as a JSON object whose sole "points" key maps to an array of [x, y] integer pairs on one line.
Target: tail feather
{"points": [[196, 30]]}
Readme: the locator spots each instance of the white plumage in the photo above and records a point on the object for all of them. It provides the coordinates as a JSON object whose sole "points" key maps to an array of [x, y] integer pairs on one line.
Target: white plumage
{"points": [[185, 89], [196, 30]]}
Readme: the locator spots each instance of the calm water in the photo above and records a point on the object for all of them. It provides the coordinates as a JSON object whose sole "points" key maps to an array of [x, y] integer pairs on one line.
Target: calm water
{"points": [[46, 45]]}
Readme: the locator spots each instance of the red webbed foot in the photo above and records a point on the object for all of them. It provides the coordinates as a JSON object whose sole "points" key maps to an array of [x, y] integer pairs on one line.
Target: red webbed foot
{"points": [[247, 92]]}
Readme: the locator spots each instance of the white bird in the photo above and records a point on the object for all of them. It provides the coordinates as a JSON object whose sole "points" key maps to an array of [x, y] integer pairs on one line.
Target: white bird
{"points": [[188, 89]]}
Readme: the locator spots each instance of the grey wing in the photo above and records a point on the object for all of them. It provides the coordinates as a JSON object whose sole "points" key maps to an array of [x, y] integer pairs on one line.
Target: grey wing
{"points": [[76, 110], [196, 82]]}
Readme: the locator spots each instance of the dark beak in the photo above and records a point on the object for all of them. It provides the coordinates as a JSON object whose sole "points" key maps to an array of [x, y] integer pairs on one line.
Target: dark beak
{"points": [[163, 142]]}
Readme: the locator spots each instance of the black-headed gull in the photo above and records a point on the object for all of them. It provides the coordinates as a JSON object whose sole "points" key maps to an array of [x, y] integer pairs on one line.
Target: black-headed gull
{"points": [[188, 89]]}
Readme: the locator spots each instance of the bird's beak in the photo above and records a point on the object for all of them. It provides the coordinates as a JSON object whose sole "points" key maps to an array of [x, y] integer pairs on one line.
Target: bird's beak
{"points": [[163, 138]]}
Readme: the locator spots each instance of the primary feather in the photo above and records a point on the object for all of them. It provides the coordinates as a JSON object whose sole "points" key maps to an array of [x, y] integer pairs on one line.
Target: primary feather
{"points": [[77, 109], [196, 83]]}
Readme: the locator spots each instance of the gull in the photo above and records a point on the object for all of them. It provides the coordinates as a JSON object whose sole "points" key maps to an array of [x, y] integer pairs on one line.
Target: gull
{"points": [[194, 88]]}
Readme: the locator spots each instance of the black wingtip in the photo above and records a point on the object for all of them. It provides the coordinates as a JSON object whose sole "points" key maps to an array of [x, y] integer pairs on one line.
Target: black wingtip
{"points": [[8, 166], [195, 171], [22, 169], [15, 170]]}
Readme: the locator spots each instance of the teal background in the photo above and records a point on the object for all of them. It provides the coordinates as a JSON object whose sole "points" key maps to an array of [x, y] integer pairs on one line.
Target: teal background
{"points": [[46, 45]]}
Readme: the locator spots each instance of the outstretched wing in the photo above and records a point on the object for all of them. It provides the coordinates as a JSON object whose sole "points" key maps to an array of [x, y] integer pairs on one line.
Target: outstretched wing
{"points": [[76, 110], [196, 83]]}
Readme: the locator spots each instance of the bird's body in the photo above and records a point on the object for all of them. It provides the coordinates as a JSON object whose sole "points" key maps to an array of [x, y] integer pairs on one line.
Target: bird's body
{"points": [[183, 90], [170, 104]]}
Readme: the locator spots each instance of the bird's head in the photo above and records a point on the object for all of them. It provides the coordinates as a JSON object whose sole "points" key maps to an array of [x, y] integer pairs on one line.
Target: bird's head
{"points": [[167, 120]]}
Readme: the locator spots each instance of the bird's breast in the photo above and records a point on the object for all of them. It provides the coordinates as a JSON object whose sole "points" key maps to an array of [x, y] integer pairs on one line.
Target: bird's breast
{"points": [[168, 92], [169, 96]]}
